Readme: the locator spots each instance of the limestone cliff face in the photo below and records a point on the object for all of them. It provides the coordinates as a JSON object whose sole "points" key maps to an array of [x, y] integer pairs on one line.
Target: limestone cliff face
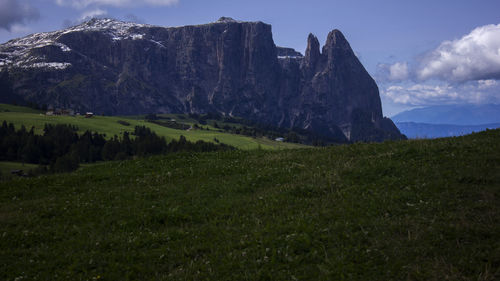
{"points": [[335, 93], [230, 67]]}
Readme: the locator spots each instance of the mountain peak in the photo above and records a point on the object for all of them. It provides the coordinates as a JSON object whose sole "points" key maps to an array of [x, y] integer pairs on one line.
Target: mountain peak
{"points": [[226, 20], [336, 46], [336, 39], [114, 28], [105, 23], [94, 21], [312, 51]]}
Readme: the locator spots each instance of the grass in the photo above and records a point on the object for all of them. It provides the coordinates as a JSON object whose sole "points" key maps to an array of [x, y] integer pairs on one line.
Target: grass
{"points": [[7, 167], [111, 126], [409, 210], [16, 108]]}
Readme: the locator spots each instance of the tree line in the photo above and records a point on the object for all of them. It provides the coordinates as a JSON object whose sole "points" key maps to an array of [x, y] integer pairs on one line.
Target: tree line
{"points": [[253, 128], [61, 149]]}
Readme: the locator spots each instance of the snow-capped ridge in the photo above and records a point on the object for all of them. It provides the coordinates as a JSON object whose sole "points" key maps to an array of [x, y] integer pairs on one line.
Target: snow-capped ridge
{"points": [[116, 29], [18, 52]]}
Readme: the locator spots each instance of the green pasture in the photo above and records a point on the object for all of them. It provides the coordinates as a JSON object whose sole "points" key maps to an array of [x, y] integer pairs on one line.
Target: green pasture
{"points": [[407, 210], [110, 126]]}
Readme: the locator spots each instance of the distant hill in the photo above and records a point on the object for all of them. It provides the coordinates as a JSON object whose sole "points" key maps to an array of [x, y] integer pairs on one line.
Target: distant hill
{"points": [[424, 130], [452, 114]]}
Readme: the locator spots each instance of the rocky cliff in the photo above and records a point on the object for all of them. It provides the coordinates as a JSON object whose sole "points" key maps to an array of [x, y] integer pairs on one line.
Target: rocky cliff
{"points": [[230, 67]]}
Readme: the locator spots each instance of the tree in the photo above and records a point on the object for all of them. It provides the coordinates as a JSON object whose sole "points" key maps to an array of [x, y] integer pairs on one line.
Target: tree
{"points": [[292, 137], [126, 145], [65, 163], [31, 151], [151, 117], [110, 149]]}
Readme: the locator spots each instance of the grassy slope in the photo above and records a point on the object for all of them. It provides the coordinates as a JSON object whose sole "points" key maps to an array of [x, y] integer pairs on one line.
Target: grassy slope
{"points": [[110, 126], [15, 108], [412, 210]]}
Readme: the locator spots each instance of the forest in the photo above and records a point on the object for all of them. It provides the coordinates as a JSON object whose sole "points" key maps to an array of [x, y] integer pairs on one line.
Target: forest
{"points": [[61, 149]]}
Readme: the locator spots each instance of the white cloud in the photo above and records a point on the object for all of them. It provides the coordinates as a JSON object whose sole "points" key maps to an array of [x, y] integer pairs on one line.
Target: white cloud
{"points": [[477, 92], [19, 28], [398, 71], [115, 3], [133, 18], [475, 56], [419, 94], [14, 13], [392, 72], [85, 16], [487, 84], [92, 14]]}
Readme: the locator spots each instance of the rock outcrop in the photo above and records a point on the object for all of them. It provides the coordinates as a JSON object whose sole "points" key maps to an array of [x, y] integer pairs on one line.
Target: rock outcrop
{"points": [[230, 67]]}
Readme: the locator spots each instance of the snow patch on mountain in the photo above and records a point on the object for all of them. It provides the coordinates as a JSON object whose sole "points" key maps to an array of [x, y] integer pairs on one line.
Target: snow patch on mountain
{"points": [[158, 43], [290, 57], [18, 52], [117, 30], [53, 65]]}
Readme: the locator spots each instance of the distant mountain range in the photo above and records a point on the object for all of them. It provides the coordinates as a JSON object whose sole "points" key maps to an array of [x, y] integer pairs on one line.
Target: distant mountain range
{"points": [[447, 120], [452, 114], [428, 131]]}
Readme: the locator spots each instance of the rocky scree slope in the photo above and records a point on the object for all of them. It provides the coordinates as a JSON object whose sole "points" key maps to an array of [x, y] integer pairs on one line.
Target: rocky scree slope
{"points": [[230, 67]]}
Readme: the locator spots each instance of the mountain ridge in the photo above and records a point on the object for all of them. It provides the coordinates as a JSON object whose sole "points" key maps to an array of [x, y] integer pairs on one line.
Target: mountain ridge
{"points": [[229, 67]]}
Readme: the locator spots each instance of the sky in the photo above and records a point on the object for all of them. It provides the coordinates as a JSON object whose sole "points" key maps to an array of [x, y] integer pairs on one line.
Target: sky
{"points": [[420, 53]]}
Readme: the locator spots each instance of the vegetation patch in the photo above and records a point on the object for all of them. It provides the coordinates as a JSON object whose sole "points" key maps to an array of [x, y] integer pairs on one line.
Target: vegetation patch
{"points": [[171, 124], [122, 122]]}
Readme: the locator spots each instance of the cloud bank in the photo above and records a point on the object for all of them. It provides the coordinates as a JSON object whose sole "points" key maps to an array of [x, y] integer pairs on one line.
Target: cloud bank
{"points": [[15, 12], [465, 70], [473, 92], [115, 3], [475, 56]]}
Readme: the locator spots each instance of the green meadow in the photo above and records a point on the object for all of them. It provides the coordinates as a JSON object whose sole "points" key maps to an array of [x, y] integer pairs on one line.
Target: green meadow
{"points": [[15, 108], [407, 210], [110, 126]]}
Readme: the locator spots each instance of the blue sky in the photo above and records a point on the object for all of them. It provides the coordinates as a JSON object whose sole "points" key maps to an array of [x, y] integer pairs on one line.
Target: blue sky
{"points": [[420, 52]]}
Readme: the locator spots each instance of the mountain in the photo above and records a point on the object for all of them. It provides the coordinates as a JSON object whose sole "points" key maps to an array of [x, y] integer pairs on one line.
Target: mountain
{"points": [[229, 67], [452, 114], [423, 130]]}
